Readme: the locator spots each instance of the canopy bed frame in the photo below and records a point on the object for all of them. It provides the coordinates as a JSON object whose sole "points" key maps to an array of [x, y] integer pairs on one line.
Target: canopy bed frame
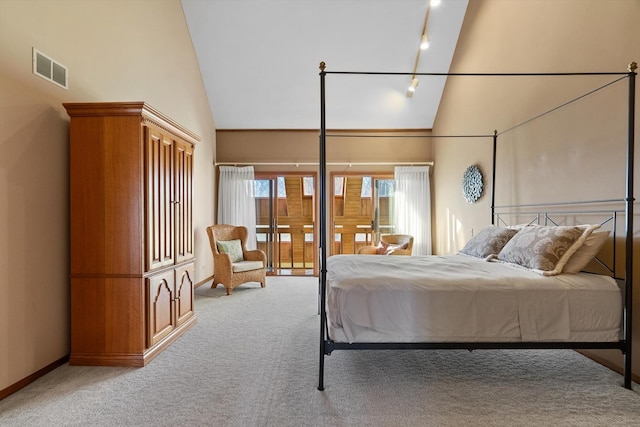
{"points": [[542, 212]]}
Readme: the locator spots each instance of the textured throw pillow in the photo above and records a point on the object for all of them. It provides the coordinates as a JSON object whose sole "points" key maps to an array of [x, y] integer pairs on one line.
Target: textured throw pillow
{"points": [[233, 248], [545, 249], [520, 226], [586, 252], [385, 248], [488, 242]]}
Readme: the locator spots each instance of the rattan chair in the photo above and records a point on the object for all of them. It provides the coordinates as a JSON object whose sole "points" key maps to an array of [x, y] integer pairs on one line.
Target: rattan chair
{"points": [[402, 244], [252, 267]]}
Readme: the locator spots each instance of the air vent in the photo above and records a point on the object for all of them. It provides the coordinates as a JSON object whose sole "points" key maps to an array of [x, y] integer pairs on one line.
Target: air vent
{"points": [[49, 69]]}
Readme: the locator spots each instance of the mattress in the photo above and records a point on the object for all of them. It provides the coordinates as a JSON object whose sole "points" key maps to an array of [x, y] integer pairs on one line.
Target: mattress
{"points": [[458, 298]]}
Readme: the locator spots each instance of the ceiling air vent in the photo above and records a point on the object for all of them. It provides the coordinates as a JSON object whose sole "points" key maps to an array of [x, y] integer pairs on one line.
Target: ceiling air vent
{"points": [[49, 69]]}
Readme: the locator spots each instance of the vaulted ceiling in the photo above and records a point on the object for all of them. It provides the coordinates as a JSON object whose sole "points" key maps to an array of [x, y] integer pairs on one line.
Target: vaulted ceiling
{"points": [[260, 59]]}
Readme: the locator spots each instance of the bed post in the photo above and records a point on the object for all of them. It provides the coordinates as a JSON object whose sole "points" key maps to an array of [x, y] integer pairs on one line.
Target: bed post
{"points": [[493, 179], [628, 319], [323, 232]]}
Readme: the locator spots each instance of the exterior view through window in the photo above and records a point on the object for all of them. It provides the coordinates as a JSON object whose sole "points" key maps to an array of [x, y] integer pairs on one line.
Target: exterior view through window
{"points": [[362, 210], [286, 210], [285, 222]]}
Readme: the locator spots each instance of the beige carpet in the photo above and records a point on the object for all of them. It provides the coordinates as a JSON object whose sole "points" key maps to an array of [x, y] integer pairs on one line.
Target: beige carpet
{"points": [[252, 360]]}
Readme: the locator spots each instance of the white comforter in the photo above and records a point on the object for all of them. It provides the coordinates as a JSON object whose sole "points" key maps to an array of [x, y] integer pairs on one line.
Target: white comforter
{"points": [[463, 299]]}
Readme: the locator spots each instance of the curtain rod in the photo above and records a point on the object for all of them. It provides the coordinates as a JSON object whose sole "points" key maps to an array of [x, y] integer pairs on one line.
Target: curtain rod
{"points": [[296, 164]]}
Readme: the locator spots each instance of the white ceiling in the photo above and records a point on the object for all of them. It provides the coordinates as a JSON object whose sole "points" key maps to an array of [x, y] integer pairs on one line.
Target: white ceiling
{"points": [[260, 60]]}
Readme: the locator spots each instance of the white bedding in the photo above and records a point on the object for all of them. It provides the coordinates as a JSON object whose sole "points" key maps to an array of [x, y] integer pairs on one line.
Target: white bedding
{"points": [[458, 298]]}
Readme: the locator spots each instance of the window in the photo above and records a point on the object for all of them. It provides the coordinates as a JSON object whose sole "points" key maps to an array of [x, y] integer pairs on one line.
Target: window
{"points": [[338, 186], [307, 183], [261, 188]]}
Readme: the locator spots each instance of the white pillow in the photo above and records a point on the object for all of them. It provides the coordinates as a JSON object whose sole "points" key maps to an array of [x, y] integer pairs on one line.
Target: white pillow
{"points": [[586, 252], [385, 248]]}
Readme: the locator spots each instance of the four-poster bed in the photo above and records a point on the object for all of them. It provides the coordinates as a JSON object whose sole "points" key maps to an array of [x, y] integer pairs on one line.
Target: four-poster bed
{"points": [[366, 304]]}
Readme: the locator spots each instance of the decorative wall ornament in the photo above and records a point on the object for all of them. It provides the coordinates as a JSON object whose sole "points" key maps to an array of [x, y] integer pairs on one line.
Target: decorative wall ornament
{"points": [[472, 184]]}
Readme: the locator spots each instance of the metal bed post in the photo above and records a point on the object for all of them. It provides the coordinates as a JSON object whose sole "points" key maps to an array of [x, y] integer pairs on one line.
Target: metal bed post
{"points": [[323, 232], [493, 178], [628, 319]]}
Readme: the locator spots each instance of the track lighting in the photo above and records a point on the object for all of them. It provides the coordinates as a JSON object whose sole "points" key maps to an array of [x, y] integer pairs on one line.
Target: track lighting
{"points": [[424, 44], [412, 88], [424, 41]]}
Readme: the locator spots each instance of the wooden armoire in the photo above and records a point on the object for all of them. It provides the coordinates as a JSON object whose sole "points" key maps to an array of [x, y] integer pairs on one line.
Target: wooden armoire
{"points": [[132, 259]]}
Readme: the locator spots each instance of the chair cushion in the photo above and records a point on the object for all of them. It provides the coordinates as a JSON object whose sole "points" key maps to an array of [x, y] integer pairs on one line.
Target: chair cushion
{"points": [[233, 248], [239, 267]]}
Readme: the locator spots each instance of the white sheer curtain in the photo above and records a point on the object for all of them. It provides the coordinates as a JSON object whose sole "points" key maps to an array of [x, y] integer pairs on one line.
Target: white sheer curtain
{"points": [[236, 201], [412, 207]]}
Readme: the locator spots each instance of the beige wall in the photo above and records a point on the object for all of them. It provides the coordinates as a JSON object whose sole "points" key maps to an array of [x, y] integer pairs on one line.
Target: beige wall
{"points": [[115, 50], [577, 153], [359, 154], [302, 146]]}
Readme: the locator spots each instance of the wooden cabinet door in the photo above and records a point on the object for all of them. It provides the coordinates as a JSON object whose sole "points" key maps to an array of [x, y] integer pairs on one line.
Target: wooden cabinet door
{"points": [[183, 197], [160, 307], [184, 292], [159, 172]]}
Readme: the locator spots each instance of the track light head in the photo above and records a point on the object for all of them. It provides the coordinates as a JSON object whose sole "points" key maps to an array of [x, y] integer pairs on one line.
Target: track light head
{"points": [[424, 41], [412, 88]]}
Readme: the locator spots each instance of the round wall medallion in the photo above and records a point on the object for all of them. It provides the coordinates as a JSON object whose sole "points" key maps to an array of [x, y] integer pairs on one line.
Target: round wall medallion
{"points": [[472, 184]]}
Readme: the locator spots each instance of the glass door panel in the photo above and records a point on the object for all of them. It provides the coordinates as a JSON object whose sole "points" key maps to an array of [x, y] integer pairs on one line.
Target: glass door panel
{"points": [[351, 213], [265, 220], [362, 209], [286, 222], [383, 205]]}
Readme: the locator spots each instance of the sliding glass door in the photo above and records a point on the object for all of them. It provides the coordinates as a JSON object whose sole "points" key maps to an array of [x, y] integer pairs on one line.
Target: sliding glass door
{"points": [[383, 205], [285, 222], [265, 190], [362, 209]]}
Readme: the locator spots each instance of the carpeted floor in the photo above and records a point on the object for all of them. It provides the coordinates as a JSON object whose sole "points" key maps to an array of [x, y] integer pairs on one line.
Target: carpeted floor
{"points": [[252, 360]]}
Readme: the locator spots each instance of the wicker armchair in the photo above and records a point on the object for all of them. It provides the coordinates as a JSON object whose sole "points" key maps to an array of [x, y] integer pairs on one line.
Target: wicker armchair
{"points": [[250, 265], [390, 244]]}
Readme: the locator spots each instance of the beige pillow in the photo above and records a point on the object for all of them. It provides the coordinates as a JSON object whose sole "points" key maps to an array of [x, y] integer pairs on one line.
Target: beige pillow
{"points": [[233, 248], [586, 252], [545, 249], [385, 248], [488, 241]]}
